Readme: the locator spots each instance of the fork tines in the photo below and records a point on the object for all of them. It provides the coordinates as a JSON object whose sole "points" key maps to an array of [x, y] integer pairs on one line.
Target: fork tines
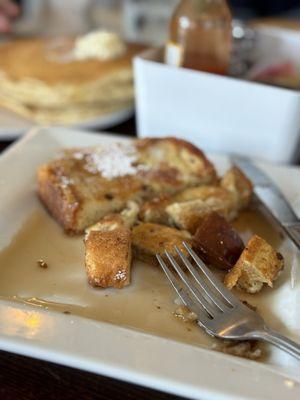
{"points": [[199, 289]]}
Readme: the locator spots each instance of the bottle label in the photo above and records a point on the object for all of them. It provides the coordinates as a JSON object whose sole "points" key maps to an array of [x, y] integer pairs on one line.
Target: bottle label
{"points": [[174, 54]]}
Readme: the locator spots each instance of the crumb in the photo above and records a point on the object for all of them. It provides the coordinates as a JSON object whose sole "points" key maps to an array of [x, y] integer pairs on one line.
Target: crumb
{"points": [[251, 350], [185, 314], [42, 264], [66, 312]]}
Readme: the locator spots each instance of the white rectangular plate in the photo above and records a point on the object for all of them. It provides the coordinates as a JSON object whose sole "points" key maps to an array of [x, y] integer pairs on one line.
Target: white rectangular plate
{"points": [[128, 354]]}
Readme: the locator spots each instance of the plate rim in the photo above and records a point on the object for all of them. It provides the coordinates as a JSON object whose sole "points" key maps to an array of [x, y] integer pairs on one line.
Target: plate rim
{"points": [[102, 122]]}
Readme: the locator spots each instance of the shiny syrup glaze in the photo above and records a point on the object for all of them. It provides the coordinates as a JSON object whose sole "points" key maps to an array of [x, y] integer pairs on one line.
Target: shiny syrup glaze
{"points": [[147, 304]]}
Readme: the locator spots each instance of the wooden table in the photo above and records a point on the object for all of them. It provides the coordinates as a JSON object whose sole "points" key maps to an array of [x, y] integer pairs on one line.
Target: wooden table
{"points": [[29, 379]]}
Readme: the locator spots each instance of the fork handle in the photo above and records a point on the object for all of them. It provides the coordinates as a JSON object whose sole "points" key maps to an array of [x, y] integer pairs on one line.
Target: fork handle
{"points": [[270, 336]]}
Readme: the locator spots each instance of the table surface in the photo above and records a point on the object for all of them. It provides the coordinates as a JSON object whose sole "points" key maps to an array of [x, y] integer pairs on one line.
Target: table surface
{"points": [[30, 379]]}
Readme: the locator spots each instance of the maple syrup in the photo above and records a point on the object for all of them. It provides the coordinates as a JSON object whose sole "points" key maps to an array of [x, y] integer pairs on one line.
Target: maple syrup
{"points": [[200, 36], [148, 304]]}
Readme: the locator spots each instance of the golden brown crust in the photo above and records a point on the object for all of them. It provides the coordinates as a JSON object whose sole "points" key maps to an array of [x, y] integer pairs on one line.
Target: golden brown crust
{"points": [[189, 214], [155, 209], [236, 182], [108, 258], [188, 154], [150, 239], [109, 223], [259, 264], [59, 201]]}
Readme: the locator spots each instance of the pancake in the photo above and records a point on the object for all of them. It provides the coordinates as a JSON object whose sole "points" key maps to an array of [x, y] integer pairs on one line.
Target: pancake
{"points": [[40, 81]]}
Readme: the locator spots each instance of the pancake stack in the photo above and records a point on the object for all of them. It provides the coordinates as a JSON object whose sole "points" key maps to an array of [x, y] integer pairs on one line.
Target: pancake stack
{"points": [[40, 81]]}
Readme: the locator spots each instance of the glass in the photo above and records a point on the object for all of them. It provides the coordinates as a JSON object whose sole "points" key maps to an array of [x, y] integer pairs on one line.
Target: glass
{"points": [[200, 36]]}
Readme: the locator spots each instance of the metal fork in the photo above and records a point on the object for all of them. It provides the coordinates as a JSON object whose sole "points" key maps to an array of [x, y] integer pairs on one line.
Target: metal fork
{"points": [[218, 311]]}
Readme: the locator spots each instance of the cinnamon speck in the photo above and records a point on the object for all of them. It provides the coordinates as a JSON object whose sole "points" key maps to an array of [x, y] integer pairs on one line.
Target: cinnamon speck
{"points": [[158, 307], [42, 264], [67, 312]]}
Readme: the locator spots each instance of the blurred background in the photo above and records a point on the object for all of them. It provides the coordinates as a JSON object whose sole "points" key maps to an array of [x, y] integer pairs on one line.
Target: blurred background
{"points": [[258, 121], [143, 21]]}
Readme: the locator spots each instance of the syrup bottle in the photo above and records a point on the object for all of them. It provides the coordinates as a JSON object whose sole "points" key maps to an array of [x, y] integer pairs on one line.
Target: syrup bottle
{"points": [[200, 36]]}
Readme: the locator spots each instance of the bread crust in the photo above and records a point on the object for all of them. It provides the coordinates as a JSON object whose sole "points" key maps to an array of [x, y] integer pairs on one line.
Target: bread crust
{"points": [[61, 203], [150, 239], [108, 258]]}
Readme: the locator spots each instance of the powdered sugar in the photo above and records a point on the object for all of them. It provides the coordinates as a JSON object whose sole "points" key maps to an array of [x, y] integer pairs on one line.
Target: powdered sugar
{"points": [[114, 161], [120, 275]]}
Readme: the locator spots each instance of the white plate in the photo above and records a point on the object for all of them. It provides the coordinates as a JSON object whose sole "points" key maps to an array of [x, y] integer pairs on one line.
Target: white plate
{"points": [[128, 354], [13, 126]]}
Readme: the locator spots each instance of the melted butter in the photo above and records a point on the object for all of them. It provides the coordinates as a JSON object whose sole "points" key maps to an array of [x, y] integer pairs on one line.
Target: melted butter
{"points": [[147, 304]]}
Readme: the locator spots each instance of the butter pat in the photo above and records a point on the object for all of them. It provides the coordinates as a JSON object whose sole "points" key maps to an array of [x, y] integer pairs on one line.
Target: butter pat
{"points": [[101, 45]]}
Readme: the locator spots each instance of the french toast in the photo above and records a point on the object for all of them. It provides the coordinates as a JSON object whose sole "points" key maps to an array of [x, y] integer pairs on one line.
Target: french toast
{"points": [[150, 239], [108, 248], [84, 185], [125, 219], [258, 264], [189, 214], [227, 197], [155, 210], [108, 258], [217, 243], [236, 182]]}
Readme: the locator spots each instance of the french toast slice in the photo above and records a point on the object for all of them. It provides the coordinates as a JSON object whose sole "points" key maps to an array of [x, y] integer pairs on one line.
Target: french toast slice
{"points": [[150, 239], [84, 185]]}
